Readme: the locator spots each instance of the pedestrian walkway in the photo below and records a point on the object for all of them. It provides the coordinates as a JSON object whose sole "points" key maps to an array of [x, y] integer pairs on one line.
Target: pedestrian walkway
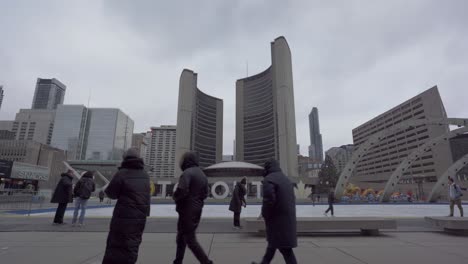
{"points": [[88, 248]]}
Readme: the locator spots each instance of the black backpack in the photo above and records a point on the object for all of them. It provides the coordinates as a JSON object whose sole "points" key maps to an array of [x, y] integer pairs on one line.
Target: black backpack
{"points": [[85, 188]]}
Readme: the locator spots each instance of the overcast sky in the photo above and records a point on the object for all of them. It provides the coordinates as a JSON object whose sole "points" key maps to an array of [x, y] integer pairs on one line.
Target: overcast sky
{"points": [[351, 59]]}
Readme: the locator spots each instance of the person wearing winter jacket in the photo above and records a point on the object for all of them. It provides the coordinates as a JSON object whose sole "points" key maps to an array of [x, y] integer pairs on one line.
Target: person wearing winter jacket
{"points": [[62, 196], [189, 197], [82, 192], [455, 194], [331, 201], [279, 212], [237, 201], [131, 187]]}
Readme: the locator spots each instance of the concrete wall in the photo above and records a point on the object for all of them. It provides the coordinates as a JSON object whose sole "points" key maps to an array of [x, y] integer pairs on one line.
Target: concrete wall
{"points": [[185, 108], [283, 83]]}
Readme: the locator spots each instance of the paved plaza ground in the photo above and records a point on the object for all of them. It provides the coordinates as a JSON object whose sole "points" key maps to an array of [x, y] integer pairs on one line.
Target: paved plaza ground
{"points": [[33, 239], [88, 247]]}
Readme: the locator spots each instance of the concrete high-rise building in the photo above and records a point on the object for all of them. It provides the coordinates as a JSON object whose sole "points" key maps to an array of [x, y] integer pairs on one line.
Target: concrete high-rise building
{"points": [[162, 151], [92, 134], [199, 123], [376, 166], [34, 124], [265, 117], [49, 94], [1, 96], [316, 147], [340, 156], [70, 130]]}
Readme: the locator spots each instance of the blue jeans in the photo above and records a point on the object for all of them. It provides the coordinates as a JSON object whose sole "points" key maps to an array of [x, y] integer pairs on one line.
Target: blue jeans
{"points": [[80, 204]]}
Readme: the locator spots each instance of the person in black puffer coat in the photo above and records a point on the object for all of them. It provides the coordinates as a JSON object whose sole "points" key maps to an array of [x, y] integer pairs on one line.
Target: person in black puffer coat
{"points": [[62, 196], [238, 200], [189, 197], [279, 212], [131, 187]]}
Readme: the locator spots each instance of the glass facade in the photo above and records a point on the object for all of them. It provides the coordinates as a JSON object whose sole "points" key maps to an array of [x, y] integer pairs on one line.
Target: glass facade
{"points": [[69, 130], [109, 133], [92, 134]]}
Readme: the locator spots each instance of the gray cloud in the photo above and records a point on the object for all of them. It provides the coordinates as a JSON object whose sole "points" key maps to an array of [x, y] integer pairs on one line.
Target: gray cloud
{"points": [[351, 59]]}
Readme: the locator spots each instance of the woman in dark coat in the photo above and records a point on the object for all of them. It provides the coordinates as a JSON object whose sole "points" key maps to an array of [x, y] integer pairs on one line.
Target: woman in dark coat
{"points": [[279, 212], [237, 201], [131, 187], [189, 197], [62, 195]]}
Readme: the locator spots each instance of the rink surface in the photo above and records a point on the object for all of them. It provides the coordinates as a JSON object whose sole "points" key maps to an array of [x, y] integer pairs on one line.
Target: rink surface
{"points": [[221, 211]]}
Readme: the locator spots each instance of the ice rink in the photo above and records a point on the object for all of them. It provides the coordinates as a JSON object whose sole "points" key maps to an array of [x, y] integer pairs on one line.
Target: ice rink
{"points": [[221, 211]]}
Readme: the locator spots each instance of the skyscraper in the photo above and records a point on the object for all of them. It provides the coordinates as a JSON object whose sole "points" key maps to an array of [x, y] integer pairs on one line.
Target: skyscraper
{"points": [[1, 96], [109, 134], [49, 93], [316, 147], [199, 123], [265, 117], [162, 149], [70, 129], [92, 134], [34, 124]]}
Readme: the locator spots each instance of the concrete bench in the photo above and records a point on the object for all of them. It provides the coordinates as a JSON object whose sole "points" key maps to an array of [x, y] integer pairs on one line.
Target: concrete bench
{"points": [[367, 225], [452, 225]]}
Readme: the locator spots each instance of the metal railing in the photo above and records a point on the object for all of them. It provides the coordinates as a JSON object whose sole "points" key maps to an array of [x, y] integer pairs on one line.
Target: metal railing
{"points": [[14, 199]]}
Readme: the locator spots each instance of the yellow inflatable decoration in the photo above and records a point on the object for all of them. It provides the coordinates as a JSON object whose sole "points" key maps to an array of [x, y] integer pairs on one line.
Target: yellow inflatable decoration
{"points": [[152, 188]]}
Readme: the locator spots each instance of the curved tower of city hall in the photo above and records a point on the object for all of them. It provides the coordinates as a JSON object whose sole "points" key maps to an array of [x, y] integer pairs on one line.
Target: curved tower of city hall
{"points": [[265, 116], [199, 123]]}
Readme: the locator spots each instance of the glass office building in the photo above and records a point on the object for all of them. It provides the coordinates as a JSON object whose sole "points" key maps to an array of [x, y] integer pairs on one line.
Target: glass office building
{"points": [[92, 134], [69, 130]]}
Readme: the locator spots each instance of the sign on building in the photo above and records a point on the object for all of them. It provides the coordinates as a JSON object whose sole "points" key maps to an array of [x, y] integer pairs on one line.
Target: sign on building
{"points": [[29, 172]]}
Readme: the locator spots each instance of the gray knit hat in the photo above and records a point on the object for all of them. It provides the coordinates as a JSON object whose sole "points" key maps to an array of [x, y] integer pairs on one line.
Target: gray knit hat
{"points": [[131, 153]]}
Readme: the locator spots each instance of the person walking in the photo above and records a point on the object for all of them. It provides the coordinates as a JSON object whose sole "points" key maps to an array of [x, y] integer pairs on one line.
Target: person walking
{"points": [[189, 198], [455, 194], [279, 212], [101, 196], [237, 201], [131, 187], [312, 197], [62, 196], [331, 201], [82, 191]]}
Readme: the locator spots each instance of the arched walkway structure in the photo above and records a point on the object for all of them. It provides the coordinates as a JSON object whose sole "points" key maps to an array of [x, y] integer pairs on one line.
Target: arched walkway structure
{"points": [[348, 171], [443, 180], [415, 155]]}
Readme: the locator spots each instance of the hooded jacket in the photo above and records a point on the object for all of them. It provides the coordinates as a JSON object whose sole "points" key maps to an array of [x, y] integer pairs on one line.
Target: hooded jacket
{"points": [[191, 193], [279, 207], [63, 191], [238, 198], [131, 187]]}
